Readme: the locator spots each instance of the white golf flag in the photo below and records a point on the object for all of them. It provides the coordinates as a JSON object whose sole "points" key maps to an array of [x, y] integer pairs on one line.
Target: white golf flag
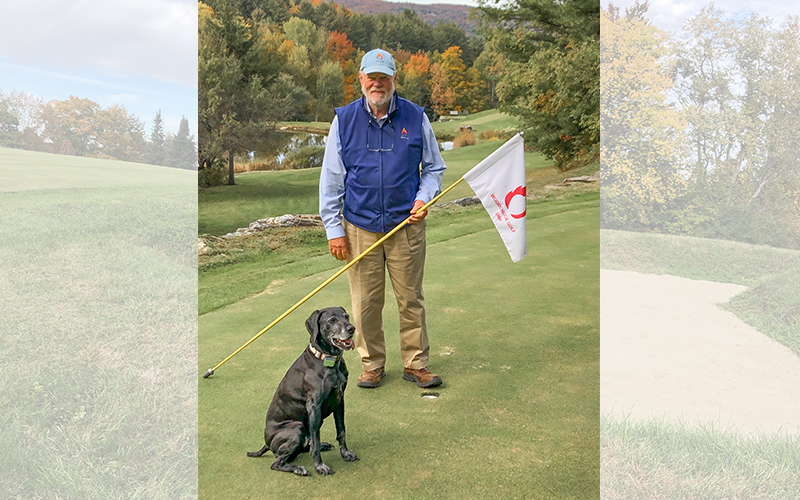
{"points": [[499, 181]]}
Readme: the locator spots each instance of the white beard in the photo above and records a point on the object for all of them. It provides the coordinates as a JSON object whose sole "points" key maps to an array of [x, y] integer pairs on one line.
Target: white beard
{"points": [[384, 101]]}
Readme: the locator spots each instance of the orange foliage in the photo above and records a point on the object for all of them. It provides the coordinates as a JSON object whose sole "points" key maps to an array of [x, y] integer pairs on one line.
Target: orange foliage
{"points": [[339, 48], [418, 63]]}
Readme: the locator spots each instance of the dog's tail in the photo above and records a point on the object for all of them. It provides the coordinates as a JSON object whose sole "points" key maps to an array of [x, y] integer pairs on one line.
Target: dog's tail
{"points": [[259, 452]]}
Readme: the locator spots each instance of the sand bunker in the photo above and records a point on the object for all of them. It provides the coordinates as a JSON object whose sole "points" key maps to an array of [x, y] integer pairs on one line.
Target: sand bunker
{"points": [[668, 352]]}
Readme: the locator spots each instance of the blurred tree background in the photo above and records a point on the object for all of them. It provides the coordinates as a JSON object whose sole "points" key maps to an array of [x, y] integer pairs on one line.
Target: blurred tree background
{"points": [[699, 130]]}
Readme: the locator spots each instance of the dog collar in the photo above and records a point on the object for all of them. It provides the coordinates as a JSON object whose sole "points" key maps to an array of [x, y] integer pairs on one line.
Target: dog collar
{"points": [[327, 359]]}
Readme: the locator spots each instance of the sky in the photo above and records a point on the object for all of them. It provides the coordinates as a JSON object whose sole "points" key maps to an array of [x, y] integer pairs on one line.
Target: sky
{"points": [[670, 15], [141, 54]]}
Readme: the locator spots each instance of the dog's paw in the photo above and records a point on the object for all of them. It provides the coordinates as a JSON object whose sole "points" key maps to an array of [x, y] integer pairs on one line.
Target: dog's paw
{"points": [[323, 470], [301, 471], [349, 456]]}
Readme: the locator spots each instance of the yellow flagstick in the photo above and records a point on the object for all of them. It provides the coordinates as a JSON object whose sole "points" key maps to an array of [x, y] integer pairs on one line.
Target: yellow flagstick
{"points": [[329, 280]]}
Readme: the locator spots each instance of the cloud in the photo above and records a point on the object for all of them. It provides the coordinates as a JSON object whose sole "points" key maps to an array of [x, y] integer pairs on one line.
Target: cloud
{"points": [[156, 38]]}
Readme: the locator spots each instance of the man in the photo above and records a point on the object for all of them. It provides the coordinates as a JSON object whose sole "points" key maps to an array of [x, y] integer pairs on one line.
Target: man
{"points": [[370, 182]]}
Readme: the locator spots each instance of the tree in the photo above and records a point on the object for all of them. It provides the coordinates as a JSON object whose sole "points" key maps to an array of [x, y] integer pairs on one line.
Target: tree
{"points": [[416, 83], [234, 107], [551, 79], [9, 123], [454, 73], [181, 152], [156, 147], [330, 90], [339, 48], [643, 141], [69, 126], [443, 99], [120, 135], [737, 82]]}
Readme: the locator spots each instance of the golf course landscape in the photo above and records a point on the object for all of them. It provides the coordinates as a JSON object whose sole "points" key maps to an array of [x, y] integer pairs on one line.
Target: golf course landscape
{"points": [[517, 346], [675, 456], [97, 383]]}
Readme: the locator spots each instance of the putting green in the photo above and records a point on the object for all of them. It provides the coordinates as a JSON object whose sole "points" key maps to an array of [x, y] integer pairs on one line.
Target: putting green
{"points": [[516, 344]]}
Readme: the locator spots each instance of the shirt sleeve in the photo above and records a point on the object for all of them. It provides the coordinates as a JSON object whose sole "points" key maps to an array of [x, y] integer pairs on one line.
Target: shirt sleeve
{"points": [[331, 184], [433, 166]]}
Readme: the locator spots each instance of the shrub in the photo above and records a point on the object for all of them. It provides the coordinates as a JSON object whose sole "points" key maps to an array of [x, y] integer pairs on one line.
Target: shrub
{"points": [[215, 175], [305, 157], [464, 138]]}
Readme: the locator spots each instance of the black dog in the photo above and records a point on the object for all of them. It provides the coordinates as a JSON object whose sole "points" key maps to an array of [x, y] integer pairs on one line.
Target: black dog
{"points": [[312, 389]]}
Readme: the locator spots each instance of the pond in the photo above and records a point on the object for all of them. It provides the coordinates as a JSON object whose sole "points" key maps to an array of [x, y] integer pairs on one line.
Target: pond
{"points": [[278, 144]]}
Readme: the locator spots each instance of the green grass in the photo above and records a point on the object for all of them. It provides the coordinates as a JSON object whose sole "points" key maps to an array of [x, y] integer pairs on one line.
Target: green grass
{"points": [[658, 459], [517, 346], [669, 460], [99, 339], [264, 258], [480, 122], [261, 194]]}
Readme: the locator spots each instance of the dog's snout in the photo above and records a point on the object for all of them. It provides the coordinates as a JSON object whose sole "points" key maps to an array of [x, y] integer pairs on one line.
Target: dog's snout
{"points": [[350, 329]]}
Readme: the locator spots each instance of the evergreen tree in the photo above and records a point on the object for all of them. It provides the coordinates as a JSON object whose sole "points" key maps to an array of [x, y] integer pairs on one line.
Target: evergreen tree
{"points": [[551, 52], [156, 147], [181, 152]]}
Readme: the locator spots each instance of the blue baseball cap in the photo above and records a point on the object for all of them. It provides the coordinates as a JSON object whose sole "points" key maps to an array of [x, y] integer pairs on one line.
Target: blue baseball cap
{"points": [[378, 61]]}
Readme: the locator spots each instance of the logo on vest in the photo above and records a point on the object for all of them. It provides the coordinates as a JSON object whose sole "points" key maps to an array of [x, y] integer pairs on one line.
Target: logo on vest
{"points": [[404, 133]]}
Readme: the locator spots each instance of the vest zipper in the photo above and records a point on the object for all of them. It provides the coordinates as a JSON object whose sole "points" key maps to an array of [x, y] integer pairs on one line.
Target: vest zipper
{"points": [[380, 166]]}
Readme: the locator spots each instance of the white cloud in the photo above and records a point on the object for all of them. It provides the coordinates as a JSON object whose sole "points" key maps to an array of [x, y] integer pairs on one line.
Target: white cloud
{"points": [[156, 38]]}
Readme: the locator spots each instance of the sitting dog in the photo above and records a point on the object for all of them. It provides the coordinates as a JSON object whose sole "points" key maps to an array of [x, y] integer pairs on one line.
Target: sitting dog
{"points": [[312, 389]]}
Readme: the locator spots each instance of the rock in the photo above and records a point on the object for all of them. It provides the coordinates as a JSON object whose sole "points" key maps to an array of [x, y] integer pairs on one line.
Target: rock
{"points": [[469, 200], [582, 178], [286, 220]]}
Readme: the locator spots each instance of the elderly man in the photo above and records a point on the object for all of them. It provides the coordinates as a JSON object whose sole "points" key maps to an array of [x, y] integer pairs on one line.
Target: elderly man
{"points": [[381, 165]]}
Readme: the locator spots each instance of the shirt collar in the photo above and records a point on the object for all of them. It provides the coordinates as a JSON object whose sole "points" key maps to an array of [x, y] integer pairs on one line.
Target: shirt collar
{"points": [[392, 107]]}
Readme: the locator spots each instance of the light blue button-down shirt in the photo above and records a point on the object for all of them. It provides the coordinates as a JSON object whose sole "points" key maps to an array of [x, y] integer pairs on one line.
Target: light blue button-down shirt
{"points": [[331, 178]]}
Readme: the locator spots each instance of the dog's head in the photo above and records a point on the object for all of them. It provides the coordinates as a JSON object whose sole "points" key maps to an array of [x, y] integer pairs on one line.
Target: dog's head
{"points": [[331, 331]]}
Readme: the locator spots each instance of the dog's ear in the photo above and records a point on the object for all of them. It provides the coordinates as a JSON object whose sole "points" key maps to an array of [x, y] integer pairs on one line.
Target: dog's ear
{"points": [[312, 325]]}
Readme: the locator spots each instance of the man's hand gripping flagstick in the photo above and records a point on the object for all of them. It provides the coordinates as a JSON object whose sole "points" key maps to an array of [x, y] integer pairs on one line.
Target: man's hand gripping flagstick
{"points": [[497, 188]]}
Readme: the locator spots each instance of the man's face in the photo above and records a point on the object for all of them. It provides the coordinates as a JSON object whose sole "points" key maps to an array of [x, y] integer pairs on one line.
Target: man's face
{"points": [[377, 88]]}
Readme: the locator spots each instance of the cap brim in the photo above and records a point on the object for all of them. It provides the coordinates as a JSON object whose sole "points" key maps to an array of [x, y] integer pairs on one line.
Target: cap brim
{"points": [[378, 69]]}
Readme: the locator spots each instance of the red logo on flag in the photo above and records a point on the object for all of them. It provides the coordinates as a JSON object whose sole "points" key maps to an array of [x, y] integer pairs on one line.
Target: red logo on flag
{"points": [[520, 191]]}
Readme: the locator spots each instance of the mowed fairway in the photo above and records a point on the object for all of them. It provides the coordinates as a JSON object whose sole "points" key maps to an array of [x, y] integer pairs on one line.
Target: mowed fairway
{"points": [[98, 267], [516, 344]]}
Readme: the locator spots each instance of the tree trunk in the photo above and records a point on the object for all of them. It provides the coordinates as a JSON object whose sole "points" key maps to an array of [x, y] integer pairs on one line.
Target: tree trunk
{"points": [[231, 182]]}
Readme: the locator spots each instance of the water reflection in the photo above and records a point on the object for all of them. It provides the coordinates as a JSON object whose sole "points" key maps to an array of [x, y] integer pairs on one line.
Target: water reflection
{"points": [[277, 144]]}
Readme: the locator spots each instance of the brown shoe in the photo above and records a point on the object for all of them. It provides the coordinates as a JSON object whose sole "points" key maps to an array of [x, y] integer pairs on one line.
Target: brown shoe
{"points": [[371, 378], [423, 377]]}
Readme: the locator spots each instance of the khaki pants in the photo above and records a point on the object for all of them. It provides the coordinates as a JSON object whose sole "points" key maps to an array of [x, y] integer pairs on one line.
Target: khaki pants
{"points": [[404, 256]]}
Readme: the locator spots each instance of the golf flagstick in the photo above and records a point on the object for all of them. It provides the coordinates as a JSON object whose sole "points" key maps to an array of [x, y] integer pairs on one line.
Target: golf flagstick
{"points": [[329, 280]]}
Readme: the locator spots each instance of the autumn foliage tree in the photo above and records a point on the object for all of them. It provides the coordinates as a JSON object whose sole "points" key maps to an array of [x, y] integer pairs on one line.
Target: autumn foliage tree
{"points": [[416, 82], [551, 51], [643, 149]]}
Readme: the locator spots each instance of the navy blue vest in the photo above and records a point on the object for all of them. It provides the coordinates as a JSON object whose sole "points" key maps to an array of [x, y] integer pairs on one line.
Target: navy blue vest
{"points": [[382, 164]]}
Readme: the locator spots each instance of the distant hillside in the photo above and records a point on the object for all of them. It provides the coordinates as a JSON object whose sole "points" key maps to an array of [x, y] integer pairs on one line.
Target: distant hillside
{"points": [[432, 14]]}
